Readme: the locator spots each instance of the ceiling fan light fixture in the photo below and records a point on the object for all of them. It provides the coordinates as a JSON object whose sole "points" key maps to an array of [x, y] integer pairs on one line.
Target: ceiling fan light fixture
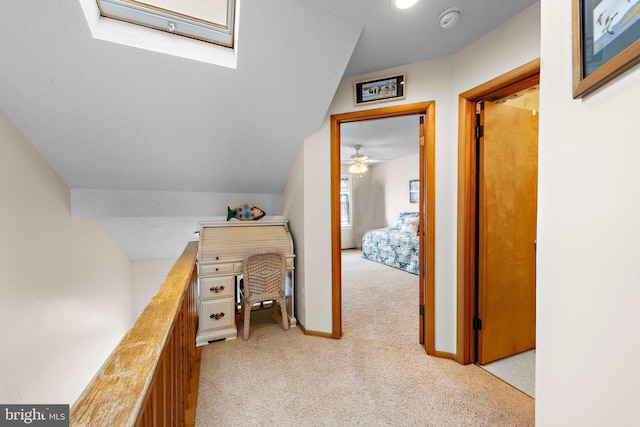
{"points": [[405, 4], [358, 168], [359, 157]]}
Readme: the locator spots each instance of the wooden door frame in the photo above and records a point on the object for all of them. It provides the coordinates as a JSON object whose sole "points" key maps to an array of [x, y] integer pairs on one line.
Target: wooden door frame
{"points": [[521, 78], [427, 188]]}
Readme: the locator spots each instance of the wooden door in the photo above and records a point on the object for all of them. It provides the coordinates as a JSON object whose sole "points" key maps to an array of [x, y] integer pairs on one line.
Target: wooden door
{"points": [[421, 228], [508, 175]]}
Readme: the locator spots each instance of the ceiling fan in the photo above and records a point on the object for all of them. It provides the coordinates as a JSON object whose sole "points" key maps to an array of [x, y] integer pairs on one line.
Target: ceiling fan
{"points": [[358, 166]]}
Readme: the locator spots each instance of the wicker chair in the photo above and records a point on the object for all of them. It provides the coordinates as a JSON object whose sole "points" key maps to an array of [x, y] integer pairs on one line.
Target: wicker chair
{"points": [[263, 280]]}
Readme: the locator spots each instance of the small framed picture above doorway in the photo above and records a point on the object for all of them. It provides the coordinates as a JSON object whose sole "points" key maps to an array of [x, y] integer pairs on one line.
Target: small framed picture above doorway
{"points": [[382, 89]]}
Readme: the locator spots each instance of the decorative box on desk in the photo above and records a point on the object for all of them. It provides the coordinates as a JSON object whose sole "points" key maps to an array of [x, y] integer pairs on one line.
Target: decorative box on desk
{"points": [[221, 250]]}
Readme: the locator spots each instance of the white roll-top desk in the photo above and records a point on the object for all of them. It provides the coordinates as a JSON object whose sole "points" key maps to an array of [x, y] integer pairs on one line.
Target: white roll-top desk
{"points": [[221, 250]]}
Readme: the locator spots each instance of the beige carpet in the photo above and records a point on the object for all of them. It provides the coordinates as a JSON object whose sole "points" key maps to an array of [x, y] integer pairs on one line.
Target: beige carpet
{"points": [[375, 375]]}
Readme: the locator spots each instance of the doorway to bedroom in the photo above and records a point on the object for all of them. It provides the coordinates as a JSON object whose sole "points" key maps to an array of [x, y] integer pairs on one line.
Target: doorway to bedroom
{"points": [[426, 187], [379, 208]]}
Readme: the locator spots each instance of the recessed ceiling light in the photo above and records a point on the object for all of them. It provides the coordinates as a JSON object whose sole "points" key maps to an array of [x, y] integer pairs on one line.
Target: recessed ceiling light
{"points": [[449, 17], [405, 4]]}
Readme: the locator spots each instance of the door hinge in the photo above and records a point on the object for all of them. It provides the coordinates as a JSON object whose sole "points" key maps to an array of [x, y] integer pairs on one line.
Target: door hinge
{"points": [[479, 132], [422, 141], [421, 310], [477, 324]]}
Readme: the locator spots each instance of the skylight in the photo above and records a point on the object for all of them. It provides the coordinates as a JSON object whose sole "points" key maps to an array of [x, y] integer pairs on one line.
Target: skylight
{"points": [[207, 20]]}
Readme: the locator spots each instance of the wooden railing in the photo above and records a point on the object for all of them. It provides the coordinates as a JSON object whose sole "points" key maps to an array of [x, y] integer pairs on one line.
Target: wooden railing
{"points": [[146, 381]]}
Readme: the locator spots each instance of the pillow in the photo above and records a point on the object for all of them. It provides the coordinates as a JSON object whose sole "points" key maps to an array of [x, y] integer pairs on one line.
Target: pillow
{"points": [[402, 218], [410, 225]]}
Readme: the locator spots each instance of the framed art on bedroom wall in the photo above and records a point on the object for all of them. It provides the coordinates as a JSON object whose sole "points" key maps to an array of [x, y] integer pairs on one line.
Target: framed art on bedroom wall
{"points": [[414, 191]]}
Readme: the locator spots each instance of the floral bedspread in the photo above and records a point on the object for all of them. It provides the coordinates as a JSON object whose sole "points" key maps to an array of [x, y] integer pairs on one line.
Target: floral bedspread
{"points": [[393, 247]]}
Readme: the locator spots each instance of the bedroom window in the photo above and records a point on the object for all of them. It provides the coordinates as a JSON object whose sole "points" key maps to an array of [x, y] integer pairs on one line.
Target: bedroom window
{"points": [[210, 21], [345, 201]]}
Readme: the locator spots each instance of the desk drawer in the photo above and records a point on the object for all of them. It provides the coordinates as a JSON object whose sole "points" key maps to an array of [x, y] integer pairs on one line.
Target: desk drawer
{"points": [[217, 287], [213, 269], [217, 314]]}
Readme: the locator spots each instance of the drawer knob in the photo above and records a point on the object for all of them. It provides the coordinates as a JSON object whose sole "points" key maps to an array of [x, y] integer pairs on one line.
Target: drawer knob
{"points": [[217, 289], [217, 316]]}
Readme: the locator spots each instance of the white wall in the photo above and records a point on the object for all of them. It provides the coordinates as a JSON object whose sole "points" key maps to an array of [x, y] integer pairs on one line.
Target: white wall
{"points": [[393, 178], [293, 208], [508, 46], [587, 370], [426, 81], [146, 279], [65, 295], [368, 205], [315, 278], [154, 225]]}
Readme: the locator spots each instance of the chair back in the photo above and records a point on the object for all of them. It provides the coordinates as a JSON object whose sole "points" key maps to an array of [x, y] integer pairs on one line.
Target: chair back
{"points": [[264, 273]]}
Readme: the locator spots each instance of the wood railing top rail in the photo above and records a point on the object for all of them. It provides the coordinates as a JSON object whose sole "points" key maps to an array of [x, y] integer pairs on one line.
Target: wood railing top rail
{"points": [[118, 391]]}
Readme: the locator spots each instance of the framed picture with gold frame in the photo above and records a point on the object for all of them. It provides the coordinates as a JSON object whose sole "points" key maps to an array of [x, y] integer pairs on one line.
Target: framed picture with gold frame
{"points": [[606, 42]]}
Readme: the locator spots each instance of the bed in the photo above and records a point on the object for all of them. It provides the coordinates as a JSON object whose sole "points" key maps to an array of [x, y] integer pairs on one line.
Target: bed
{"points": [[396, 246]]}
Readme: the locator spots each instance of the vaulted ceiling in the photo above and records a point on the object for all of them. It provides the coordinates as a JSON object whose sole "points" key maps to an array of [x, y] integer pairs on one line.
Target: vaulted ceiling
{"points": [[152, 134], [110, 116]]}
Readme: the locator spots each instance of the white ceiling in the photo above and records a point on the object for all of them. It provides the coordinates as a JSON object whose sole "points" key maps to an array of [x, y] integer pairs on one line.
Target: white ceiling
{"points": [[381, 140], [393, 37], [108, 116]]}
